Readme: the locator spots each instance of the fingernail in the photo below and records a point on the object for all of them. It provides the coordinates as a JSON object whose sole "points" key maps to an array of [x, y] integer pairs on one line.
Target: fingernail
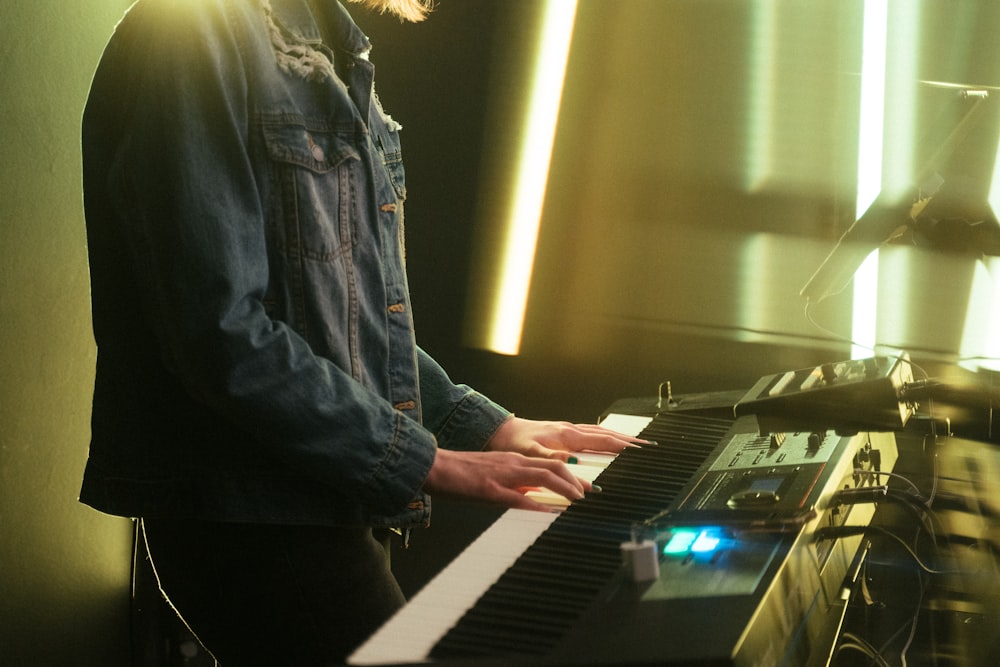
{"points": [[572, 459], [595, 487]]}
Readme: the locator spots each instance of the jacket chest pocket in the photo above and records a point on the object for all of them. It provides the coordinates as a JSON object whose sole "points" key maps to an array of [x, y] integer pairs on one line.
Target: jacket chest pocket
{"points": [[313, 204]]}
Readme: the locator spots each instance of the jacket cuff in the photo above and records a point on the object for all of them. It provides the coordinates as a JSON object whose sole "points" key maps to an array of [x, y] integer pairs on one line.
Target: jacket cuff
{"points": [[472, 423], [400, 477]]}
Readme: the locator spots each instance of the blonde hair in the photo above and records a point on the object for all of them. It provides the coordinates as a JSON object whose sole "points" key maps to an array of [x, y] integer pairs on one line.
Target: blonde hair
{"points": [[410, 10]]}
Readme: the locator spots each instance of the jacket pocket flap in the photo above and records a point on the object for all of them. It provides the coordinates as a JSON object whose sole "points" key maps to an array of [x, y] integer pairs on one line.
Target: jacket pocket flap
{"points": [[317, 151]]}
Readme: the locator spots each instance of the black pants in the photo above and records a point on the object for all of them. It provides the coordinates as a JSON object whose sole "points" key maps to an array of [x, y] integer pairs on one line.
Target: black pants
{"points": [[271, 594]]}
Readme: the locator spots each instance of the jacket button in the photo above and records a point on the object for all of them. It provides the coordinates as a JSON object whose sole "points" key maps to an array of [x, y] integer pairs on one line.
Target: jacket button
{"points": [[317, 151]]}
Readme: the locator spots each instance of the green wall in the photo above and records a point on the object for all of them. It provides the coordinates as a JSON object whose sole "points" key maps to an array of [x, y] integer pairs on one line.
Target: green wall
{"points": [[64, 569]]}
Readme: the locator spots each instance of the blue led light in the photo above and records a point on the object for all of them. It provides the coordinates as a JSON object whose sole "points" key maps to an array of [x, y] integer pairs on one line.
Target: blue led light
{"points": [[704, 543]]}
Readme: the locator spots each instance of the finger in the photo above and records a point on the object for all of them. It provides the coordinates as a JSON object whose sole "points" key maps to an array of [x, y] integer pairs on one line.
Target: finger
{"points": [[555, 500], [565, 483], [550, 474], [542, 452], [584, 464], [600, 443], [548, 498], [563, 455], [539, 451], [597, 430], [618, 435]]}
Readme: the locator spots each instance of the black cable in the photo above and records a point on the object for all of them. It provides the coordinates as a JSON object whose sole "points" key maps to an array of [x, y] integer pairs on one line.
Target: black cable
{"points": [[837, 532]]}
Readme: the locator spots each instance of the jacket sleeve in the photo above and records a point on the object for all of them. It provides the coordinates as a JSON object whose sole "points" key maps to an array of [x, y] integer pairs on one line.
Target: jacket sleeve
{"points": [[185, 201], [460, 417]]}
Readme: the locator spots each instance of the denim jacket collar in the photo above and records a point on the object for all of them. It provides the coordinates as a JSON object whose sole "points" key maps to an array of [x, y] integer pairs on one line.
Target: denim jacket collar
{"points": [[297, 16]]}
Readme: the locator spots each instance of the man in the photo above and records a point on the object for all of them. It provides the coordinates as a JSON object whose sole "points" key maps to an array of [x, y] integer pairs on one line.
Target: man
{"points": [[260, 401]]}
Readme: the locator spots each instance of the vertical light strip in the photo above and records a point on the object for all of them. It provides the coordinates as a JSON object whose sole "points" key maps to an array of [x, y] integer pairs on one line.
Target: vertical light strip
{"points": [[518, 253], [760, 131], [872, 119], [991, 350], [992, 328], [899, 168], [994, 195], [870, 135], [980, 339]]}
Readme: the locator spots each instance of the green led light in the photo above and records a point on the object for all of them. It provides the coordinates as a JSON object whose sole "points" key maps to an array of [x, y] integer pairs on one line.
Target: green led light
{"points": [[680, 542]]}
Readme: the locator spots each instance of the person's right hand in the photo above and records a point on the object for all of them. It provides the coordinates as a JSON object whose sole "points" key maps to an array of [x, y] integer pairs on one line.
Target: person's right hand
{"points": [[500, 478]]}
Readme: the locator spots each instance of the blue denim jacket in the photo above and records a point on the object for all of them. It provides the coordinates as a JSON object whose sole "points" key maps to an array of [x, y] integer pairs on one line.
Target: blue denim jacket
{"points": [[244, 197]]}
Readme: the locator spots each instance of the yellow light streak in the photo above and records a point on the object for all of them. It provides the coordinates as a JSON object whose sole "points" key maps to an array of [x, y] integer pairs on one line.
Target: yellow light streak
{"points": [[518, 252], [870, 146], [981, 334], [885, 149], [994, 195], [761, 105]]}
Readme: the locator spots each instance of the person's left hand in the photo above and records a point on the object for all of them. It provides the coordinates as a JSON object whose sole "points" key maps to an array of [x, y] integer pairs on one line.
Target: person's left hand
{"points": [[557, 440]]}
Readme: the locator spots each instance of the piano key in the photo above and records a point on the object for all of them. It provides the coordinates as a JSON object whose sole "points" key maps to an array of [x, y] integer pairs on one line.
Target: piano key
{"points": [[546, 497], [626, 424]]}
